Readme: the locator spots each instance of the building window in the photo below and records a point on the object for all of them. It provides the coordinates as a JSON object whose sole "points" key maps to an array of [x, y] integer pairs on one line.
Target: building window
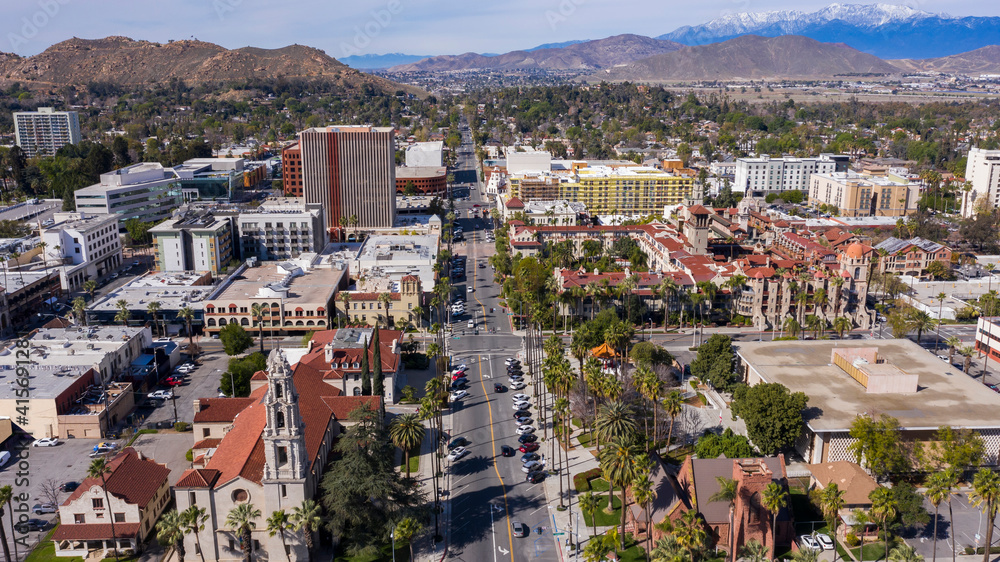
{"points": [[119, 518], [240, 495], [282, 456], [97, 503], [279, 420], [284, 491], [79, 518], [192, 498], [205, 432]]}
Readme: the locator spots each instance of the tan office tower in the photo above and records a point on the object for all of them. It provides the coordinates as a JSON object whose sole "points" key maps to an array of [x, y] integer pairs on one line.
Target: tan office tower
{"points": [[351, 172]]}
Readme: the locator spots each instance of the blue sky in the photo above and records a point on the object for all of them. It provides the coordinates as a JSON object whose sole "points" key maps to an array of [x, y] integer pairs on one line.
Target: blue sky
{"points": [[345, 27]]}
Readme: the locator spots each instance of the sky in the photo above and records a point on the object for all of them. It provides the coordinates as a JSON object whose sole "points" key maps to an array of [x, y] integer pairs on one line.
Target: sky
{"points": [[352, 27]]}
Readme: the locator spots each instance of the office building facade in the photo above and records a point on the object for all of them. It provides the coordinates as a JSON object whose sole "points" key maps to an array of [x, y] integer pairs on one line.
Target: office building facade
{"points": [[43, 132], [280, 229], [859, 196], [763, 175], [291, 170], [148, 192], [982, 170], [193, 243]]}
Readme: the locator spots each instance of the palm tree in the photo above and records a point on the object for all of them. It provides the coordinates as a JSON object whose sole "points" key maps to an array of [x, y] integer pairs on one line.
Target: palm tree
{"points": [[668, 291], [277, 524], [187, 315], [79, 310], [792, 326], [194, 521], [170, 529], [406, 432], [99, 469], [306, 519], [667, 549], [728, 491], [385, 299], [673, 404], [10, 510], [904, 553], [405, 530], [805, 555], [6, 495], [242, 519], [257, 313], [90, 286], [940, 318], [816, 324], [690, 533], [842, 324], [589, 504], [938, 490], [614, 421], [966, 351], [345, 297], [773, 499], [123, 315], [650, 386], [838, 284], [644, 495], [884, 509], [832, 502], [953, 343], [920, 321], [619, 464], [985, 495], [153, 308]]}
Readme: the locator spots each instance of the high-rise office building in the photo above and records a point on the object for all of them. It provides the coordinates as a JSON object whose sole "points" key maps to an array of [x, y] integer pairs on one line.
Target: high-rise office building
{"points": [[982, 171], [43, 132], [763, 175], [351, 172]]}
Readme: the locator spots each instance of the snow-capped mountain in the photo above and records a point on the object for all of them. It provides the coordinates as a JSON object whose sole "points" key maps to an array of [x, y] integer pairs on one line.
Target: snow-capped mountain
{"points": [[885, 30]]}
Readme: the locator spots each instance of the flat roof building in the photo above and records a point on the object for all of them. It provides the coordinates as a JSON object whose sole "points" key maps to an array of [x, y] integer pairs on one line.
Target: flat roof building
{"points": [[759, 176], [195, 242], [43, 132], [82, 246], [855, 195], [894, 377], [425, 154], [395, 257], [281, 228], [173, 290], [148, 192]]}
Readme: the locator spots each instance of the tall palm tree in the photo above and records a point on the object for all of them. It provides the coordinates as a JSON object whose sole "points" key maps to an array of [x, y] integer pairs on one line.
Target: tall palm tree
{"points": [[588, 504], [619, 464], [307, 519], [673, 404], [842, 324], [838, 283], [257, 313], [668, 291], [690, 533], [940, 298], [953, 342], [728, 491], [644, 495], [170, 529], [194, 521], [345, 297], [920, 321], [124, 314], [754, 551], [883, 509], [277, 524], [153, 308], [187, 315], [90, 286], [792, 326], [985, 495], [650, 387], [79, 310], [99, 469], [832, 502], [938, 490], [242, 519], [773, 499], [6, 495], [406, 432], [405, 530], [385, 299], [614, 420], [816, 324]]}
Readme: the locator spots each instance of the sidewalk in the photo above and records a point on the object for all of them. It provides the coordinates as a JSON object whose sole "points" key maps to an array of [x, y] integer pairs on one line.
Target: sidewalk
{"points": [[424, 547]]}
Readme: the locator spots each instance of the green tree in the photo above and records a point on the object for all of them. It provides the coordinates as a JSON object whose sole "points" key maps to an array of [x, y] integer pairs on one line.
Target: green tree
{"points": [[277, 524], [877, 445], [773, 415], [673, 405], [170, 530], [405, 530], [939, 489], [773, 499], [883, 510], [985, 495], [589, 504], [832, 501], [728, 444], [257, 313], [242, 519], [407, 432], [235, 339], [619, 463], [366, 376], [194, 523], [378, 380], [904, 553], [6, 496], [714, 363], [187, 315], [240, 371], [307, 519]]}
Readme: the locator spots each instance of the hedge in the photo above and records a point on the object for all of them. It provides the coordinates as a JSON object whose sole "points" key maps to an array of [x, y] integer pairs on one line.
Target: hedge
{"points": [[582, 480]]}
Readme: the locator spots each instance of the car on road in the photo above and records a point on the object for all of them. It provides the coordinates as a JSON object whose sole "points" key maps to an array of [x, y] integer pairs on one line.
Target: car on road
{"points": [[497, 387], [519, 529], [46, 442], [160, 395], [482, 266], [458, 395], [174, 380], [522, 414], [469, 289], [535, 477], [457, 453], [507, 451], [520, 397], [457, 442], [528, 447], [471, 323], [41, 508], [531, 466], [525, 429], [68, 486], [521, 406], [463, 367], [106, 446], [527, 438], [530, 457], [808, 542], [516, 385], [31, 525]]}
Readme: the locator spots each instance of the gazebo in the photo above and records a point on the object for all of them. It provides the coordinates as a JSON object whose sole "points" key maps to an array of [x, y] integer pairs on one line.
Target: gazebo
{"points": [[603, 351]]}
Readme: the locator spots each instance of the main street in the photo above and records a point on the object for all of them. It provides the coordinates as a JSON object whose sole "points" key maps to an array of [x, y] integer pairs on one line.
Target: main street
{"points": [[488, 491]]}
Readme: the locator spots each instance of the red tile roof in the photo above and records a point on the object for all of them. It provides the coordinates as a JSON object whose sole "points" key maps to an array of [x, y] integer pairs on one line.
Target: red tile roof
{"points": [[514, 203], [198, 478], [372, 296], [95, 531], [208, 443], [131, 478], [220, 410], [342, 406]]}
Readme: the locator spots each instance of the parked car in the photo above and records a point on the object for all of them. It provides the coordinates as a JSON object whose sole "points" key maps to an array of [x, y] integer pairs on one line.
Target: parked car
{"points": [[522, 405], [457, 442], [174, 381], [825, 541], [527, 438], [531, 466], [522, 414], [525, 430], [68, 486], [46, 442], [517, 385], [535, 477], [32, 525], [457, 453], [523, 420], [41, 508], [808, 542], [519, 529], [161, 395], [507, 451], [105, 446], [520, 397], [511, 360], [530, 457], [528, 447], [497, 387], [458, 395]]}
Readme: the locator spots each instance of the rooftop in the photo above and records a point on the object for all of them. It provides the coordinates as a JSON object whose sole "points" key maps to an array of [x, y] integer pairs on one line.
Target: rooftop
{"points": [[294, 281], [45, 381], [944, 396], [173, 290]]}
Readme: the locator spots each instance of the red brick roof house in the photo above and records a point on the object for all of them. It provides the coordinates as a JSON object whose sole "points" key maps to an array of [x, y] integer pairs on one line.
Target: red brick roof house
{"points": [[138, 490]]}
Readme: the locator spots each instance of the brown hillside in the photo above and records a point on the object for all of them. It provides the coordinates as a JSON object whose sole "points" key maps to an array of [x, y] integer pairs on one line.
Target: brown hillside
{"points": [[980, 61]]}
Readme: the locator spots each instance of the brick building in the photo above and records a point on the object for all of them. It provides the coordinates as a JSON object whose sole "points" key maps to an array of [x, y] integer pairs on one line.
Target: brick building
{"points": [[291, 170]]}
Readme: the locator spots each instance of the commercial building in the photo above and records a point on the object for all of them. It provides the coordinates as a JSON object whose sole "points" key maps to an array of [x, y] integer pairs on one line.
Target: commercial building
{"points": [[82, 246], [425, 155], [43, 132], [298, 297], [426, 180], [27, 292], [214, 179], [846, 378], [855, 195], [281, 228], [763, 175], [291, 170], [394, 257], [548, 213], [351, 172], [982, 170], [148, 192], [988, 337], [911, 257], [173, 291], [276, 445], [382, 302], [195, 242], [138, 489]]}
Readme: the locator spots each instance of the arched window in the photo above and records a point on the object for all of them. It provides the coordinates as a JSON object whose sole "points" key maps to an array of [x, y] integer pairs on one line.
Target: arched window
{"points": [[357, 391], [244, 321], [211, 321], [298, 323], [310, 323], [278, 390], [279, 420], [222, 321], [240, 495]]}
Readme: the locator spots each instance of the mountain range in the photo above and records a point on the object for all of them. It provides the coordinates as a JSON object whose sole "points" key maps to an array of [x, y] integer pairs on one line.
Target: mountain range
{"points": [[128, 62], [585, 56]]}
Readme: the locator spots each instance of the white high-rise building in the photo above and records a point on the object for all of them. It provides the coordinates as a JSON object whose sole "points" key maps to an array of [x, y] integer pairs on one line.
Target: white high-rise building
{"points": [[43, 132], [983, 171], [763, 175]]}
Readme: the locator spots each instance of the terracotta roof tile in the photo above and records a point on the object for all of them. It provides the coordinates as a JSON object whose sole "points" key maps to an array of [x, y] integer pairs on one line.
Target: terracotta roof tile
{"points": [[198, 478], [216, 410], [95, 531], [208, 443], [131, 478]]}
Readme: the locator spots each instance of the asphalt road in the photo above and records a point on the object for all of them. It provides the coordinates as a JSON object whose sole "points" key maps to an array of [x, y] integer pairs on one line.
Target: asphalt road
{"points": [[489, 491]]}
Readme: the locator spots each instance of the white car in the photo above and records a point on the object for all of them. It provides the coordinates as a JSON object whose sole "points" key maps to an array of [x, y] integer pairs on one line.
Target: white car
{"points": [[825, 541], [457, 453], [463, 367], [471, 324], [46, 442], [531, 466], [520, 397], [525, 429], [521, 405], [809, 542], [470, 288], [160, 395], [511, 360], [458, 395], [516, 385]]}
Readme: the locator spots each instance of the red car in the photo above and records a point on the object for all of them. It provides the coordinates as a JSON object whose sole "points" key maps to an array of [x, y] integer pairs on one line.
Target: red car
{"points": [[174, 381], [528, 447]]}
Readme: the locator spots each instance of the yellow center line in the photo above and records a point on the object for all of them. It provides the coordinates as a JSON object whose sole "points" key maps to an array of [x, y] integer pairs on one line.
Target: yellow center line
{"points": [[489, 407]]}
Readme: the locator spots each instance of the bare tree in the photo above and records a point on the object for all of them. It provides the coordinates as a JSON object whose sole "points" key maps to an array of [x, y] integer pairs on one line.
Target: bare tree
{"points": [[50, 491]]}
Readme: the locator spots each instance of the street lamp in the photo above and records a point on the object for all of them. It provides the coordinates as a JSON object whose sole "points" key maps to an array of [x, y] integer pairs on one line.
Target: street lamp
{"points": [[392, 535]]}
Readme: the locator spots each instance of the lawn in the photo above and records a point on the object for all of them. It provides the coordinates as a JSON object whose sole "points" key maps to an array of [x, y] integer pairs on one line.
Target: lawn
{"points": [[678, 455], [414, 461], [46, 552], [873, 551], [604, 519], [585, 439]]}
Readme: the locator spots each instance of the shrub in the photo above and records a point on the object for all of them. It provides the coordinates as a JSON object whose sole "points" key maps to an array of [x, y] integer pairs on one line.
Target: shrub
{"points": [[582, 480], [189, 455], [182, 426], [408, 392], [852, 540]]}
